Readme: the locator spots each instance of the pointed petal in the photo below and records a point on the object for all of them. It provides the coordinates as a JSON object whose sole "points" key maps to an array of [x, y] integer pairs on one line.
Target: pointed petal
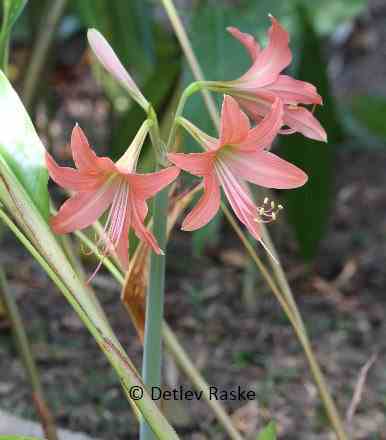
{"points": [[147, 185], [84, 157], [199, 164], [240, 199], [234, 123], [264, 133], [111, 63], [72, 179], [270, 61], [139, 211], [207, 207], [293, 91], [303, 121], [82, 209], [252, 46], [265, 169]]}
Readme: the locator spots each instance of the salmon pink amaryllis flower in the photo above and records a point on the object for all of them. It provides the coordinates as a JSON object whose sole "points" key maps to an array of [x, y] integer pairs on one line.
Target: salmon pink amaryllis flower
{"points": [[239, 155], [257, 89], [97, 183]]}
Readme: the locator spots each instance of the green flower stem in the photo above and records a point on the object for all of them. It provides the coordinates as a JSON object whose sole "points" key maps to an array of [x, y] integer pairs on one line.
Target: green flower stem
{"points": [[187, 48], [152, 347], [286, 296], [175, 349], [189, 91], [44, 413]]}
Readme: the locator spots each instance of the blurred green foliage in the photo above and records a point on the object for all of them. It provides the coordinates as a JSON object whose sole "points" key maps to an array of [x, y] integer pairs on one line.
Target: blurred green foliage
{"points": [[308, 207], [268, 433]]}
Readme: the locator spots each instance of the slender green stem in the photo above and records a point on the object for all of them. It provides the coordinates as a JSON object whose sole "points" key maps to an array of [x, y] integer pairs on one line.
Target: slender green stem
{"points": [[27, 358], [285, 299], [194, 64], [189, 91]]}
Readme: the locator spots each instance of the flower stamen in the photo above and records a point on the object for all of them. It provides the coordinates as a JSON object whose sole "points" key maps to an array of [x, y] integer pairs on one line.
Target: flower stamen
{"points": [[268, 212]]}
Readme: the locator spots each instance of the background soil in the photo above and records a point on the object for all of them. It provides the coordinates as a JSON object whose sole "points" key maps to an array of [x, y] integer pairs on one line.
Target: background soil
{"points": [[342, 299]]}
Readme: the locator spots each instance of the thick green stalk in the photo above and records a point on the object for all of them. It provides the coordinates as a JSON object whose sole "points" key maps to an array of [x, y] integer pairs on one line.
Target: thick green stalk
{"points": [[27, 358], [152, 347]]}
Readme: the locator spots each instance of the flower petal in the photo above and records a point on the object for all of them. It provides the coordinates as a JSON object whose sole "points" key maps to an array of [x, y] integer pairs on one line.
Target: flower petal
{"points": [[240, 199], [234, 122], [264, 133], [72, 179], [257, 107], [249, 42], [303, 121], [139, 211], [264, 169], [84, 157], [199, 164], [107, 57], [147, 185], [82, 209], [270, 61], [293, 91], [207, 207]]}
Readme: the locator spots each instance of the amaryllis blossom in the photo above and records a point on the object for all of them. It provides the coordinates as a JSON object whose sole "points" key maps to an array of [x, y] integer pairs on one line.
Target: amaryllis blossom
{"points": [[257, 89], [239, 155], [97, 183], [108, 58]]}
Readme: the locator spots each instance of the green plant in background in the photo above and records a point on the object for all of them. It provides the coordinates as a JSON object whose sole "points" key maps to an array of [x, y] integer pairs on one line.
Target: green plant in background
{"points": [[268, 433], [11, 9]]}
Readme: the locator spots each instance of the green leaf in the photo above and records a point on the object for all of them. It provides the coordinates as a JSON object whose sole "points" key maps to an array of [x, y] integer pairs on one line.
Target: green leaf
{"points": [[308, 207], [21, 147], [370, 112], [17, 437], [11, 11], [268, 433]]}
